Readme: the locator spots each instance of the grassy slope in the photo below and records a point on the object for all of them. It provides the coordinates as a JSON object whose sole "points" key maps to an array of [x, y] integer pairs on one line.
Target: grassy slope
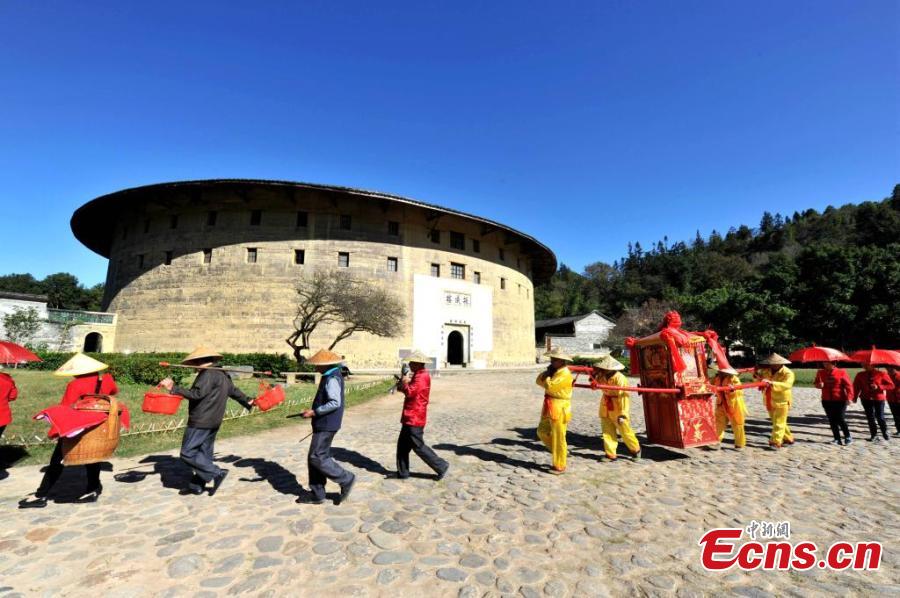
{"points": [[38, 390]]}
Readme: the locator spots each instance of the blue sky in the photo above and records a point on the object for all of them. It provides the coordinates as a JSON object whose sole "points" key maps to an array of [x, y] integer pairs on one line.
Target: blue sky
{"points": [[585, 124]]}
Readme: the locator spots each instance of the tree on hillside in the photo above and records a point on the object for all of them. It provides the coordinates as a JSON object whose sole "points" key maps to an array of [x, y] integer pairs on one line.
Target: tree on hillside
{"points": [[63, 290], [327, 297]]}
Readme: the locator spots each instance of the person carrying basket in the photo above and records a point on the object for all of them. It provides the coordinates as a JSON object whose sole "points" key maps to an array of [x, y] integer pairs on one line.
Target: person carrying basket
{"points": [[68, 422]]}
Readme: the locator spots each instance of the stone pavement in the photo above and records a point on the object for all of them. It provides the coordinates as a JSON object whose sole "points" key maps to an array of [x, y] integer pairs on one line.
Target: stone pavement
{"points": [[497, 525]]}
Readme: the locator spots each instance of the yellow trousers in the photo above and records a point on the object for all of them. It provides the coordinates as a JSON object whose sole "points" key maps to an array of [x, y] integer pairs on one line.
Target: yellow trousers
{"points": [[736, 419], [555, 416], [612, 429], [780, 430], [553, 435]]}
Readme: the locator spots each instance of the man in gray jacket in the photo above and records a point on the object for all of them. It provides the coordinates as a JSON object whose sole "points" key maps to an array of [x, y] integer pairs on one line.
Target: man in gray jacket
{"points": [[326, 413], [206, 408]]}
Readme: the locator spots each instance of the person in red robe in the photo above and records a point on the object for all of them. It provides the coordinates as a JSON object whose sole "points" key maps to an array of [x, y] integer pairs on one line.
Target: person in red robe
{"points": [[8, 392], [87, 379], [416, 386], [837, 392], [871, 387]]}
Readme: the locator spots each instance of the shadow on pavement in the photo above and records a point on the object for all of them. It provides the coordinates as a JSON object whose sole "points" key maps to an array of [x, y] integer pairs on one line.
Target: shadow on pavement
{"points": [[277, 476], [361, 461], [171, 471], [486, 455], [9, 456]]}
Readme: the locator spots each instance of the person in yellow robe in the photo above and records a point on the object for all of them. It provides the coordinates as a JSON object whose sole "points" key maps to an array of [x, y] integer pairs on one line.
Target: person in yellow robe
{"points": [[730, 407], [777, 394], [614, 408], [556, 413]]}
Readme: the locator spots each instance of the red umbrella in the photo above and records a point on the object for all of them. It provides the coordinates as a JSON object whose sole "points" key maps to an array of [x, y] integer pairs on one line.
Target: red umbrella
{"points": [[875, 356], [815, 353], [13, 353]]}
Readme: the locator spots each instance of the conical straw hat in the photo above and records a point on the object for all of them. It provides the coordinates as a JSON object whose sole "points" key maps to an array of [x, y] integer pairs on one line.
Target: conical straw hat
{"points": [[729, 371], [201, 353], [79, 365], [610, 363], [325, 357], [417, 357], [557, 354], [774, 359]]}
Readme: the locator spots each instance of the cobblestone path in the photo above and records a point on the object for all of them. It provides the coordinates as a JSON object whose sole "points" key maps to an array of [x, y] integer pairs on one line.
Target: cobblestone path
{"points": [[497, 525]]}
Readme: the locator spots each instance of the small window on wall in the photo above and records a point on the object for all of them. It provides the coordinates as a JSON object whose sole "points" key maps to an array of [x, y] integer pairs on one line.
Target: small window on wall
{"points": [[528, 293], [141, 260], [503, 284], [476, 245], [457, 240], [299, 256], [207, 256], [168, 261], [392, 264], [476, 278], [173, 221], [394, 229], [211, 218], [344, 259], [435, 236], [436, 270], [457, 271], [302, 219], [345, 221], [255, 217], [502, 254], [520, 289], [146, 226], [251, 255]]}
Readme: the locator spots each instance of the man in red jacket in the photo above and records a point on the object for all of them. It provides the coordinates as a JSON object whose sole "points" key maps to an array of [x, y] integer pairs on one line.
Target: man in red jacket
{"points": [[8, 392], [837, 392], [416, 386], [871, 386]]}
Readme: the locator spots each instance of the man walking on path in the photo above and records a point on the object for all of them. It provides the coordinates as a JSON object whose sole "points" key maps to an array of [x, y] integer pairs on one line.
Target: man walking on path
{"points": [[556, 413], [871, 387], [207, 399], [778, 394], [614, 408], [327, 413], [417, 388], [730, 408]]}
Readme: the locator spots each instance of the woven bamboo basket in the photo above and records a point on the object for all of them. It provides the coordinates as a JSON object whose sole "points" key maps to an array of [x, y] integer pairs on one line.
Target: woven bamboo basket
{"points": [[98, 443]]}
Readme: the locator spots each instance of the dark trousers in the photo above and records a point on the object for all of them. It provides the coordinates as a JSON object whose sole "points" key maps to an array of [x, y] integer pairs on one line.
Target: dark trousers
{"points": [[197, 453], [2, 428], [875, 414], [55, 469], [836, 412], [411, 439], [322, 465], [895, 412]]}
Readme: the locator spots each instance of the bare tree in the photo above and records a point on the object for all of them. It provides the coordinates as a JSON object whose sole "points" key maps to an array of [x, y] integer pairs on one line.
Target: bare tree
{"points": [[366, 307], [329, 297]]}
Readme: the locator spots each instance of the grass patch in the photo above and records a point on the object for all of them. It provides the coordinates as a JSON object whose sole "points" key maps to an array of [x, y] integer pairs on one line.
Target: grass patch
{"points": [[39, 390]]}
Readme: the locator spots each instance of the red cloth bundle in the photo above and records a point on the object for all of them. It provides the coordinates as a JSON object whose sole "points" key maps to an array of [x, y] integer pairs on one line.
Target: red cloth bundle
{"points": [[67, 421]]}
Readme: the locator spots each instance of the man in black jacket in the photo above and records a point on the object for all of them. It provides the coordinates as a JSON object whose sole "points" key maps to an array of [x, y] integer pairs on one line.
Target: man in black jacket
{"points": [[206, 408]]}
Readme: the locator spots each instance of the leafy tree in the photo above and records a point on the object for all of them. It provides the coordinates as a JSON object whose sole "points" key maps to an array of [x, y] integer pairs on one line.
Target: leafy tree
{"points": [[21, 325]]}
